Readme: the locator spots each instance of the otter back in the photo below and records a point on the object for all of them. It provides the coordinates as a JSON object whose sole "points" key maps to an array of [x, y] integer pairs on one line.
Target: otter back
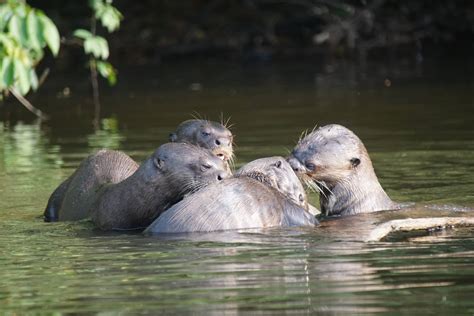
{"points": [[73, 199], [236, 203]]}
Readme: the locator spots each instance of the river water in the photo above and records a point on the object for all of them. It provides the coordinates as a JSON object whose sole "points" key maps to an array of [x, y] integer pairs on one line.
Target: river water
{"points": [[416, 121]]}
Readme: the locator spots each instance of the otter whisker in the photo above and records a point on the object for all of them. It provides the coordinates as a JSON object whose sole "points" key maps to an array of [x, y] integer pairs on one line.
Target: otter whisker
{"points": [[302, 135], [313, 185], [324, 185], [222, 118], [227, 125], [196, 115], [225, 121]]}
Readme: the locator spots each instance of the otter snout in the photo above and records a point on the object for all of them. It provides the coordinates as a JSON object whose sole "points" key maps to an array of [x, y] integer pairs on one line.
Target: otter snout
{"points": [[223, 153], [296, 165], [223, 175], [222, 141]]}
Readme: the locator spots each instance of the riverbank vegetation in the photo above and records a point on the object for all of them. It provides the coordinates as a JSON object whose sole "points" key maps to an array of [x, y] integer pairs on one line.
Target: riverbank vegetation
{"points": [[152, 32]]}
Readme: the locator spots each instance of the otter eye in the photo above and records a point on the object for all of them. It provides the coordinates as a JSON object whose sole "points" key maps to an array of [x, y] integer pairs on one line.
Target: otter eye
{"points": [[205, 167], [301, 197], [310, 166], [206, 134], [278, 164]]}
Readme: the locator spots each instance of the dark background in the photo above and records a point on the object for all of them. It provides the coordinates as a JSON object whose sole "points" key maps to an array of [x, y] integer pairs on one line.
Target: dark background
{"points": [[264, 30]]}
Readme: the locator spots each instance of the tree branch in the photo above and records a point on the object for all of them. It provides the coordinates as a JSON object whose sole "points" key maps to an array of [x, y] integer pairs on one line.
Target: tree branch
{"points": [[409, 224], [27, 104]]}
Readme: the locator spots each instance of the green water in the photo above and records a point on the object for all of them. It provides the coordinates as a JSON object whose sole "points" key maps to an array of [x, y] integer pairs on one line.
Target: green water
{"points": [[419, 132]]}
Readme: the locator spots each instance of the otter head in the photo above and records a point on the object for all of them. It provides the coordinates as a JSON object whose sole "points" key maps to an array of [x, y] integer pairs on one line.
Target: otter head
{"points": [[277, 173], [331, 154], [186, 168], [207, 134]]}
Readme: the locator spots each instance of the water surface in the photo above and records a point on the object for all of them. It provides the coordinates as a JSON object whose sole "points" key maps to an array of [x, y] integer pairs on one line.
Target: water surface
{"points": [[418, 129]]}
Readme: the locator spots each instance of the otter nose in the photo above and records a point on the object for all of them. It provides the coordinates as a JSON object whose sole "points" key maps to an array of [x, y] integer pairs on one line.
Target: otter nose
{"points": [[222, 176], [222, 142], [295, 164]]}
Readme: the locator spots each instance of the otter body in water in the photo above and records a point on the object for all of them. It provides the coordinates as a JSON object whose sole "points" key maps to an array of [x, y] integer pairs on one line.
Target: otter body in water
{"points": [[336, 159], [116, 193], [264, 193], [207, 134]]}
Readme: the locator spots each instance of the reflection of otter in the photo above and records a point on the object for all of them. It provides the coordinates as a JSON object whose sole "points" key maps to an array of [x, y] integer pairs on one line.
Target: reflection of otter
{"points": [[336, 159], [248, 200], [207, 134], [117, 194]]}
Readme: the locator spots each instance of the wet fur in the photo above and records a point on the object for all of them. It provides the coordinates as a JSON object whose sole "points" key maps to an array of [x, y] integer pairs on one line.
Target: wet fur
{"points": [[191, 131], [343, 171], [116, 193], [249, 200], [279, 175], [73, 199]]}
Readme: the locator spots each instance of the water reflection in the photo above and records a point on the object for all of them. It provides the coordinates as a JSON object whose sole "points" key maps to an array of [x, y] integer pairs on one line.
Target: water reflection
{"points": [[108, 136], [418, 131]]}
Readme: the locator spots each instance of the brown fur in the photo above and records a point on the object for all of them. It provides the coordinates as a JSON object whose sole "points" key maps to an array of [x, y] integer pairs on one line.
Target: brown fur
{"points": [[110, 188], [279, 175], [207, 134], [335, 158], [249, 200]]}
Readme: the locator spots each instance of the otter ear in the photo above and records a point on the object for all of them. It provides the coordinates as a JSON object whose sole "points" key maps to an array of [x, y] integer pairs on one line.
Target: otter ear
{"points": [[355, 162], [173, 137], [278, 164], [158, 163]]}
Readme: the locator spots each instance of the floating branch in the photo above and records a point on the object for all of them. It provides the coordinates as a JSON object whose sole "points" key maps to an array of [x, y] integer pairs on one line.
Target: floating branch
{"points": [[409, 224]]}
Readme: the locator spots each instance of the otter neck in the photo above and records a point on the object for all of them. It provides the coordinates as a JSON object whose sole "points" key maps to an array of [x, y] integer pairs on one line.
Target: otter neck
{"points": [[360, 192]]}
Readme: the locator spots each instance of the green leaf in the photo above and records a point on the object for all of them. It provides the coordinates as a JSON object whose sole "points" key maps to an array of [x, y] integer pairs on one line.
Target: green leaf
{"points": [[97, 46], [111, 18], [33, 79], [35, 32], [5, 15], [104, 47], [17, 28], [92, 47], [8, 72], [23, 77], [2, 84], [108, 15], [50, 33], [8, 43], [84, 34], [95, 4], [107, 71]]}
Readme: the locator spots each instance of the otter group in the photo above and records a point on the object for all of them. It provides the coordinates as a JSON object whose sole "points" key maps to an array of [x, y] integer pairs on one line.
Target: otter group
{"points": [[186, 185]]}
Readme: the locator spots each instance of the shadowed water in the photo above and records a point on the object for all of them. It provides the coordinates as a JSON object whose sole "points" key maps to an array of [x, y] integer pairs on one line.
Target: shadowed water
{"points": [[418, 128]]}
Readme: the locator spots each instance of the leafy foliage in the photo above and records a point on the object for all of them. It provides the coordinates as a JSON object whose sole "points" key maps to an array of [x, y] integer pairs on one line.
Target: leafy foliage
{"points": [[109, 16], [25, 33], [97, 46]]}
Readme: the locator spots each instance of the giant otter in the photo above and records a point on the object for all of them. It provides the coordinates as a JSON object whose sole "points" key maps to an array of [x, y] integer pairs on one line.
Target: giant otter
{"points": [[207, 134], [251, 199], [336, 159], [277, 173], [116, 193]]}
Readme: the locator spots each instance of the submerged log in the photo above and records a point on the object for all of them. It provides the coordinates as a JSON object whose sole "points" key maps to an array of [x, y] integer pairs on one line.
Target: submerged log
{"points": [[409, 224]]}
